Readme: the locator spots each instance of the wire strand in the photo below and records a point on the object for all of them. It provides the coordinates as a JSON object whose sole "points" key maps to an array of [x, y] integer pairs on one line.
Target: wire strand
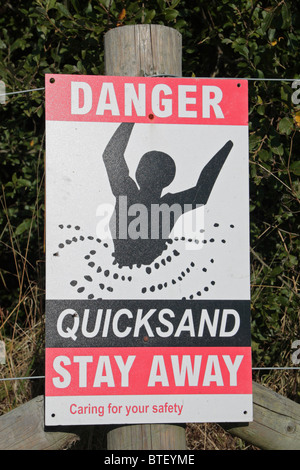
{"points": [[230, 78], [165, 75], [253, 368], [22, 378], [275, 368], [175, 76], [22, 91]]}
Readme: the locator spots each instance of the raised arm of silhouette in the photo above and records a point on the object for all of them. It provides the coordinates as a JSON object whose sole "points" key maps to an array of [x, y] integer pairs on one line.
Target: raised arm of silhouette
{"points": [[155, 171], [199, 194], [114, 160]]}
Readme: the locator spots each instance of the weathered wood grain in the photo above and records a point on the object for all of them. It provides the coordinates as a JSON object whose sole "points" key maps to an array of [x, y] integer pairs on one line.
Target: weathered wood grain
{"points": [[147, 437], [23, 429], [143, 50], [276, 426]]}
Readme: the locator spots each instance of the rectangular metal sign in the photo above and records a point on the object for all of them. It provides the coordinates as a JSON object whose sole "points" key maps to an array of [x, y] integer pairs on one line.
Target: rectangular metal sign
{"points": [[147, 250]]}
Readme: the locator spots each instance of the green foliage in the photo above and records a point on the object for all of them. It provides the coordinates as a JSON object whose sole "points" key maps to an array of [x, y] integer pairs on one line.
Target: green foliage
{"points": [[253, 39]]}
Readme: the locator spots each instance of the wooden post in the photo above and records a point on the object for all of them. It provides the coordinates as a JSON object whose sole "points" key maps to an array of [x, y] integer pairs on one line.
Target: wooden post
{"points": [[144, 50], [276, 426]]}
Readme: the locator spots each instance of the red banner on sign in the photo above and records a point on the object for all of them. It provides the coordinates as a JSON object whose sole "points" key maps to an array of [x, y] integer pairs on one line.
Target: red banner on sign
{"points": [[140, 100], [146, 371]]}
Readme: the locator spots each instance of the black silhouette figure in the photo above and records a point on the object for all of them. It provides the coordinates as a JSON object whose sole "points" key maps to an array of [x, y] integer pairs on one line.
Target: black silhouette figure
{"points": [[156, 170]]}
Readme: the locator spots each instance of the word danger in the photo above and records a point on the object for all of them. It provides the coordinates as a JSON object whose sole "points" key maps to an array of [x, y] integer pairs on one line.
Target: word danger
{"points": [[94, 371], [133, 100]]}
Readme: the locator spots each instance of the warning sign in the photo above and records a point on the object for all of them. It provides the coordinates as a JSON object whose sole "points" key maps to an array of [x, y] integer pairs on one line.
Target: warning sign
{"points": [[147, 250]]}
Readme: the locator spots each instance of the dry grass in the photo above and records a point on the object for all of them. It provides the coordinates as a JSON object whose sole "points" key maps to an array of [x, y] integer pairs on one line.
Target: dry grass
{"points": [[211, 436], [25, 358]]}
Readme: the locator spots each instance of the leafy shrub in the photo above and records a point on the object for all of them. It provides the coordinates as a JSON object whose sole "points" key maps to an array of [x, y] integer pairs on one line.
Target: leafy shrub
{"points": [[220, 39]]}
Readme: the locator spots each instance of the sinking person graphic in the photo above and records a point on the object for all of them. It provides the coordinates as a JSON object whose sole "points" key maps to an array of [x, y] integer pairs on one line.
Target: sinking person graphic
{"points": [[140, 229]]}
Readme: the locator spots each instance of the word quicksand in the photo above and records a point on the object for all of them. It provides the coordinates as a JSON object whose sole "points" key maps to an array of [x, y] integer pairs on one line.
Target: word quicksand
{"points": [[133, 324]]}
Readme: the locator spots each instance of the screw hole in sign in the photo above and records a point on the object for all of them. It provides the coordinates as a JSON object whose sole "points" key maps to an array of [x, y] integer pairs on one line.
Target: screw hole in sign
{"points": [[52, 80]]}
